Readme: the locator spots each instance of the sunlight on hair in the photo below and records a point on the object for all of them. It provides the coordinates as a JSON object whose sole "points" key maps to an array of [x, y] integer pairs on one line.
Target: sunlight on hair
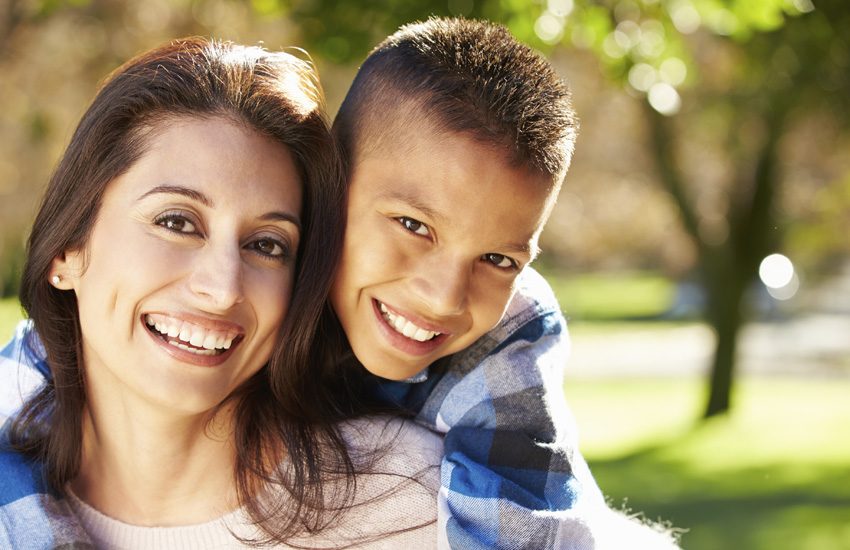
{"points": [[301, 83], [297, 78], [664, 98]]}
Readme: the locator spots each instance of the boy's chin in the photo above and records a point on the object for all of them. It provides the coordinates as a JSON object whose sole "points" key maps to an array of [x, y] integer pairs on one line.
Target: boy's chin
{"points": [[394, 374], [393, 371]]}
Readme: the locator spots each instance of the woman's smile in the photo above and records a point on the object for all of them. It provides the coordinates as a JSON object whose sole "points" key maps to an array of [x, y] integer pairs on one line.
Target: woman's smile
{"points": [[193, 338]]}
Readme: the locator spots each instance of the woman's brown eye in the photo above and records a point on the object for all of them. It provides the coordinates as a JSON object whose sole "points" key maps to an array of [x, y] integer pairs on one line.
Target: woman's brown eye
{"points": [[270, 248], [176, 224], [265, 246]]}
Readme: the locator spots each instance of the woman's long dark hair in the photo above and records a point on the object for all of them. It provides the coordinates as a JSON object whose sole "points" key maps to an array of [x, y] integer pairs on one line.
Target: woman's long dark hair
{"points": [[290, 407]]}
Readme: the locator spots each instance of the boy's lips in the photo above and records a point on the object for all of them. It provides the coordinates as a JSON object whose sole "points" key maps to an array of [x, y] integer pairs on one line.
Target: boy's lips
{"points": [[406, 327], [414, 337], [198, 337]]}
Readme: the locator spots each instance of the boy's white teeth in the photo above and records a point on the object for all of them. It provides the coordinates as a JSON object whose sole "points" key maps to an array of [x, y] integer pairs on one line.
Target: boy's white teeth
{"points": [[405, 327], [189, 337]]}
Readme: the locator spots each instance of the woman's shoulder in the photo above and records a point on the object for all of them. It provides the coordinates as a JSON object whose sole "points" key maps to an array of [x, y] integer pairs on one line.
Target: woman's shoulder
{"points": [[397, 484], [400, 439]]}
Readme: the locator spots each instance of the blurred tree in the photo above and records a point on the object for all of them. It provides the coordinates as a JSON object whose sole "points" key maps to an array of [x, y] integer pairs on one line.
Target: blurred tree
{"points": [[748, 71]]}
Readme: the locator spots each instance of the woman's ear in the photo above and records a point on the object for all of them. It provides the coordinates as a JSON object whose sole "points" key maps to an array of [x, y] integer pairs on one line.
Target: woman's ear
{"points": [[65, 269]]}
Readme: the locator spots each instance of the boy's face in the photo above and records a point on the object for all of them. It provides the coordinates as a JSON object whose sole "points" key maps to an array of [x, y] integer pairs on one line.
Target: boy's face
{"points": [[439, 227]]}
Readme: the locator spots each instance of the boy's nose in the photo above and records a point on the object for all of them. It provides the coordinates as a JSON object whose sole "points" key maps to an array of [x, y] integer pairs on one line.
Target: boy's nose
{"points": [[443, 286], [217, 277]]}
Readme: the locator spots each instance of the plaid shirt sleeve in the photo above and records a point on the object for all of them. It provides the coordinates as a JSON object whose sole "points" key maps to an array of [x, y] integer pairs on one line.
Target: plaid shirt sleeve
{"points": [[512, 475], [30, 517]]}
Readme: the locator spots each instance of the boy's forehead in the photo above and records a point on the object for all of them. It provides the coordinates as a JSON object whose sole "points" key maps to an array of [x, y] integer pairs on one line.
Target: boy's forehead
{"points": [[418, 141], [456, 180]]}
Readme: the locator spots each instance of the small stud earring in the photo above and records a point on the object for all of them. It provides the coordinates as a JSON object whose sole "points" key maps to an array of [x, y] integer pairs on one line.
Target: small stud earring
{"points": [[56, 279]]}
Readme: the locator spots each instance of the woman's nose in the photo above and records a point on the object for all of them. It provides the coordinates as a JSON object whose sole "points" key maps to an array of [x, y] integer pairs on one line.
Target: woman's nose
{"points": [[218, 277]]}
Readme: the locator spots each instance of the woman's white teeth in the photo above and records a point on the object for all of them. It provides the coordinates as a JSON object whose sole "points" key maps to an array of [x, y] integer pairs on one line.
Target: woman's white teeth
{"points": [[178, 332], [405, 327], [209, 341]]}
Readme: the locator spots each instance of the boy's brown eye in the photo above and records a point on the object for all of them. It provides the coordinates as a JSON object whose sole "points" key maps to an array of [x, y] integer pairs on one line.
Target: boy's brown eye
{"points": [[414, 226], [499, 260]]}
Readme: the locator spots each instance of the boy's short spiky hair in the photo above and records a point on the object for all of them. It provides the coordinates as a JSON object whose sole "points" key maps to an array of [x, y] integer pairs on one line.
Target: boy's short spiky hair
{"points": [[462, 76]]}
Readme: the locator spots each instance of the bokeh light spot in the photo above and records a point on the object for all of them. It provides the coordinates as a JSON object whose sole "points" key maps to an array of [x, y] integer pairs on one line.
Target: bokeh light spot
{"points": [[776, 271], [664, 98]]}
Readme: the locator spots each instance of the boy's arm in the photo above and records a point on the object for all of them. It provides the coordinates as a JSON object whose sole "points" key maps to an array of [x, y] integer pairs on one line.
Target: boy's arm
{"points": [[21, 371], [512, 475]]}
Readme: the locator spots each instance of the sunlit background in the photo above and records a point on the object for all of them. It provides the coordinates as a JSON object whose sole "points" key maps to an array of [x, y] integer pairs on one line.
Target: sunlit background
{"points": [[699, 246]]}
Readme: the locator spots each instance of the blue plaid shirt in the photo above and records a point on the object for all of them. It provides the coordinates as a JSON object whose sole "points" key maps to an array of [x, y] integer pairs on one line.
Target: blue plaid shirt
{"points": [[512, 475]]}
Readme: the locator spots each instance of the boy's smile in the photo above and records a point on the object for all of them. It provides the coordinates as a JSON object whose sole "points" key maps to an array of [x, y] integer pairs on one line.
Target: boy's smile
{"points": [[439, 226]]}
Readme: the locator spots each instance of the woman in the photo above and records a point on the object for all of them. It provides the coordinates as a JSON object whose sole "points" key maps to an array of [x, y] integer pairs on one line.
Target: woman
{"points": [[176, 275]]}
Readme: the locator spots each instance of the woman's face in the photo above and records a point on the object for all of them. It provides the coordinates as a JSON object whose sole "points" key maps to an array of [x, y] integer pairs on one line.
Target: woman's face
{"points": [[189, 268]]}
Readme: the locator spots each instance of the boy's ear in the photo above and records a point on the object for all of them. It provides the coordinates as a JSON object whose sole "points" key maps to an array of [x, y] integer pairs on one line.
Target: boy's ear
{"points": [[65, 269]]}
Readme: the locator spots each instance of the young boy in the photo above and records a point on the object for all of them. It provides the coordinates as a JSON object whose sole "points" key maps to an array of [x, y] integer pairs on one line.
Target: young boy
{"points": [[457, 139]]}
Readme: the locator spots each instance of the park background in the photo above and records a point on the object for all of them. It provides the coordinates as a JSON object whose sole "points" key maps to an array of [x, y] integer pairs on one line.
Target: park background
{"points": [[709, 393]]}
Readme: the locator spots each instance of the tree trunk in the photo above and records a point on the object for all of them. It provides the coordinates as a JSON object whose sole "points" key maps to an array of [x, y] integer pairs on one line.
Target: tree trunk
{"points": [[726, 268], [725, 317]]}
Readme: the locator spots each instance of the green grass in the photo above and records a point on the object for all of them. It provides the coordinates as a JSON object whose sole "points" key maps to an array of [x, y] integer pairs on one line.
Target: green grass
{"points": [[10, 314], [613, 296], [772, 475]]}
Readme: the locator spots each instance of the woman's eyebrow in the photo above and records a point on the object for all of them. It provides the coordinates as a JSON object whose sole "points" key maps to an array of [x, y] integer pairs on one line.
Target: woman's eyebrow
{"points": [[282, 217], [179, 190], [275, 216]]}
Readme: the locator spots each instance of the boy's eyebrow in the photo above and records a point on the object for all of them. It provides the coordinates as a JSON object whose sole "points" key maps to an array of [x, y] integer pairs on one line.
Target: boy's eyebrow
{"points": [[524, 248], [413, 200], [416, 202], [179, 190]]}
